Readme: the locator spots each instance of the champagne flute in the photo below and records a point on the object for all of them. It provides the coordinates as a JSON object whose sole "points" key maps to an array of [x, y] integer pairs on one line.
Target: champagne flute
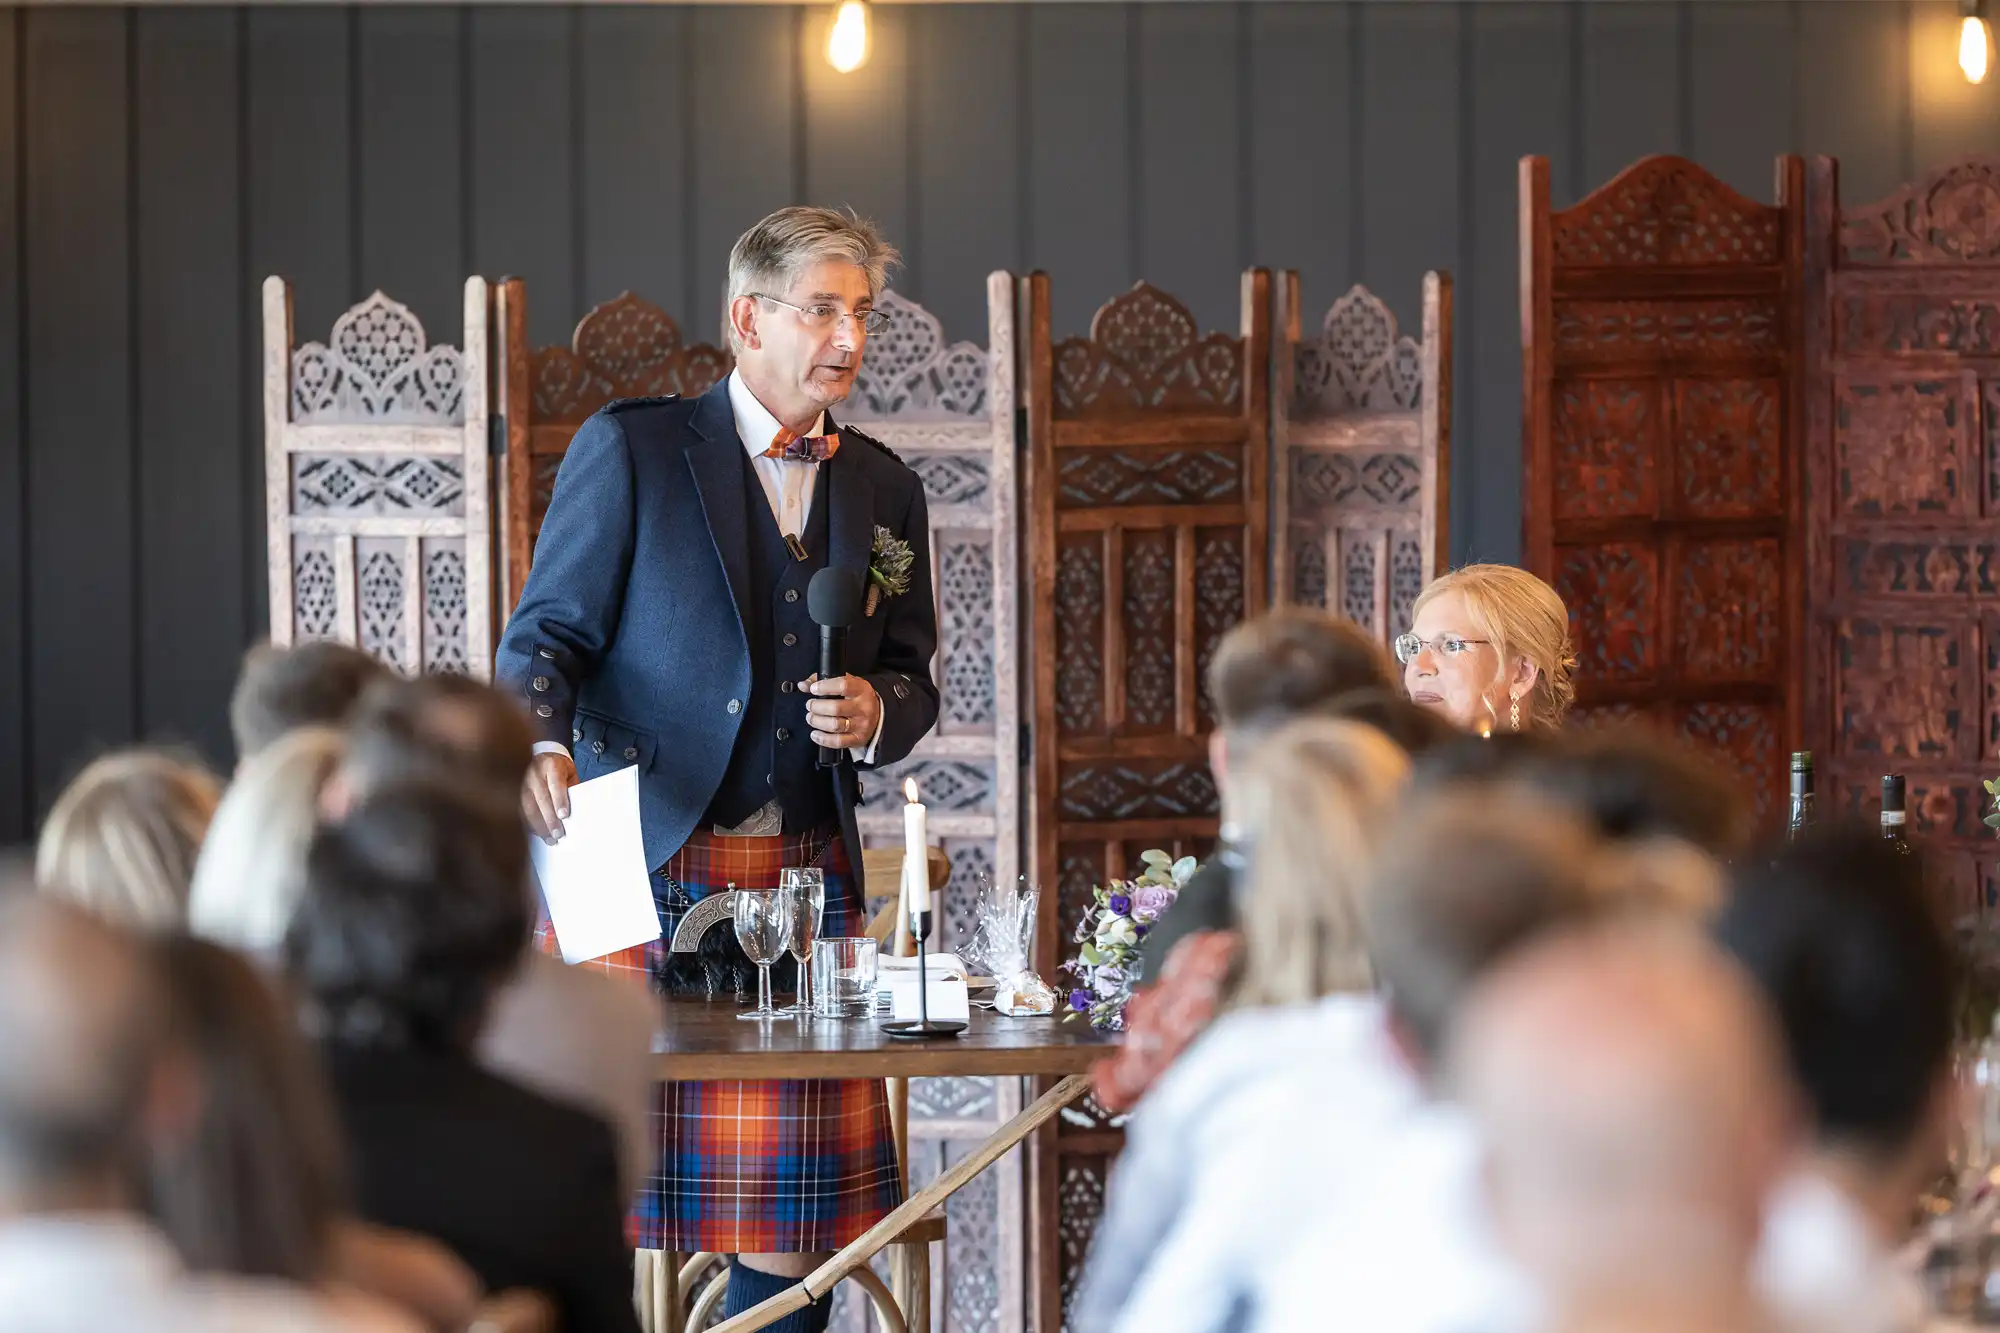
{"points": [[763, 928], [807, 890]]}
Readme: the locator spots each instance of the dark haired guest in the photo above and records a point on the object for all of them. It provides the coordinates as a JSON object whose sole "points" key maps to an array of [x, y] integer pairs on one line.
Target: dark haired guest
{"points": [[413, 917], [1841, 936]]}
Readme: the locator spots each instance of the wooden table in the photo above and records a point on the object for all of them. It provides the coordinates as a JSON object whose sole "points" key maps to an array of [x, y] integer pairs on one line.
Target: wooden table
{"points": [[702, 1040]]}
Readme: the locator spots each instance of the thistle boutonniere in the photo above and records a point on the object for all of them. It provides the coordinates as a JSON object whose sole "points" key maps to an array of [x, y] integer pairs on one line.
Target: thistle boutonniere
{"points": [[888, 568]]}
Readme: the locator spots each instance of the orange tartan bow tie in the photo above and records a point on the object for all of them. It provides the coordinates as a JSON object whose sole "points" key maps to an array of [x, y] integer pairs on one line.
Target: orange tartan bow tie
{"points": [[802, 448]]}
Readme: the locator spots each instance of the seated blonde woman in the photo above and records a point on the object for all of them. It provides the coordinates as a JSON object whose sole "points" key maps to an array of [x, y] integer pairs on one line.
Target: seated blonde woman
{"points": [[122, 839], [251, 873], [1489, 648], [1312, 799]]}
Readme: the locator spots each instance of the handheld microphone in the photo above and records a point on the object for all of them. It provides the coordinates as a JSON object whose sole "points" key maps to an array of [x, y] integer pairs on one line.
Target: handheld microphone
{"points": [[833, 600]]}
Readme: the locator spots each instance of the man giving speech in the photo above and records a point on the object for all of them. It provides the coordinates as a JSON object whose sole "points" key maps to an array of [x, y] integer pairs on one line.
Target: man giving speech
{"points": [[665, 624]]}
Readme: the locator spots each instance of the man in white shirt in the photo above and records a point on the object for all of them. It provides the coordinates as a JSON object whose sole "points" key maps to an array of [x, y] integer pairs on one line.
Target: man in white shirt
{"points": [[85, 1083], [1840, 934]]}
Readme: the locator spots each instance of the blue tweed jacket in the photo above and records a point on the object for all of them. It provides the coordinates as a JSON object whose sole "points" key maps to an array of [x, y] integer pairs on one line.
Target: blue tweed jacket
{"points": [[628, 644]]}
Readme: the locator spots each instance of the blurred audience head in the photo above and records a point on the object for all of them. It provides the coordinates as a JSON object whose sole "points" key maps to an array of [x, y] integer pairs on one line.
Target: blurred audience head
{"points": [[1634, 784], [256, 1187], [415, 911], [310, 684], [1489, 648], [1274, 667], [1314, 797], [252, 868], [1844, 941], [442, 728], [85, 1085], [1629, 1086], [122, 838], [1416, 730], [1461, 878]]}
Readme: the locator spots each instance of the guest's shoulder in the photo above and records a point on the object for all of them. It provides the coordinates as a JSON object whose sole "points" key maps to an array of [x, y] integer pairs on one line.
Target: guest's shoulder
{"points": [[668, 412], [876, 449]]}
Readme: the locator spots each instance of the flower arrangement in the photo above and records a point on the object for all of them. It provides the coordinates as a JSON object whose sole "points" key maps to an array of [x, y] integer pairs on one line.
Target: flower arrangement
{"points": [[1107, 963], [888, 568]]}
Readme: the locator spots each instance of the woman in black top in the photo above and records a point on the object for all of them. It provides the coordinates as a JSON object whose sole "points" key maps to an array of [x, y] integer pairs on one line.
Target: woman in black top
{"points": [[415, 910]]}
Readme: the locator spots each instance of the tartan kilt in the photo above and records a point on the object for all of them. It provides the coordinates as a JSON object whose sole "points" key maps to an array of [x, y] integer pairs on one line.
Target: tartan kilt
{"points": [[764, 1167]]}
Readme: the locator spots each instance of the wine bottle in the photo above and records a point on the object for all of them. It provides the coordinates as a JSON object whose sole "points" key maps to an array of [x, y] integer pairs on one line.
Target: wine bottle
{"points": [[1802, 794], [1892, 813]]}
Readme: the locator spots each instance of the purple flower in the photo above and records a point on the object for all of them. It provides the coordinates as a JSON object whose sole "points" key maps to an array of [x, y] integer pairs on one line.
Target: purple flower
{"points": [[1121, 904], [1109, 980], [1151, 901], [1079, 1000]]}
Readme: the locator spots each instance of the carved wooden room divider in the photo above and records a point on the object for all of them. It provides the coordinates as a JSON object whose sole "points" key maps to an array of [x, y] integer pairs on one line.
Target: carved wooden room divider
{"points": [[625, 348], [376, 486], [1661, 335], [1903, 505], [1147, 461], [1361, 465]]}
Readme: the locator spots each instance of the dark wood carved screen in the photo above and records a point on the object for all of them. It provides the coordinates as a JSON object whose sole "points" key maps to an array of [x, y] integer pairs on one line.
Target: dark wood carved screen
{"points": [[1146, 502], [625, 348], [1903, 515], [1361, 455], [1660, 329]]}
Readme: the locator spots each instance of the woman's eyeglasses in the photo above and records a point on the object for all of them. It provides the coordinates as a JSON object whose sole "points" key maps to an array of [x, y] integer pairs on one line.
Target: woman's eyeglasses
{"points": [[1444, 645]]}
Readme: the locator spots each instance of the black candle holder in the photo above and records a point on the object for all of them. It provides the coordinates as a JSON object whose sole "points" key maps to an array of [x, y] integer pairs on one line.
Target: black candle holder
{"points": [[922, 1026]]}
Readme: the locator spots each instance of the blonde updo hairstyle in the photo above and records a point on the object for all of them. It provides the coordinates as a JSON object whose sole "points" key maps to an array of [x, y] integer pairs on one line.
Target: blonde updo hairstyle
{"points": [[1314, 798], [122, 838], [1522, 617]]}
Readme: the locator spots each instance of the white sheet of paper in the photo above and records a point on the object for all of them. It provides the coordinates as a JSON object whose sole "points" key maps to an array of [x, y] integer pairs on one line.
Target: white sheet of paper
{"points": [[945, 974], [595, 880]]}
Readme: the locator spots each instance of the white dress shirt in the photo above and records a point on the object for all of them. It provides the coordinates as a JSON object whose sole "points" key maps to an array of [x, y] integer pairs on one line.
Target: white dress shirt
{"points": [[90, 1274], [788, 488]]}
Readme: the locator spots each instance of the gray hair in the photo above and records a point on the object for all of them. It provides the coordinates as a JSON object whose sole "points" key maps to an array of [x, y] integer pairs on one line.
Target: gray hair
{"points": [[767, 259]]}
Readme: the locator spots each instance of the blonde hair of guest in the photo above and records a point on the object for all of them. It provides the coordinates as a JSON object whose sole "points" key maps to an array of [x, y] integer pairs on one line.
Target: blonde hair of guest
{"points": [[1522, 617], [1314, 797], [122, 839], [251, 873]]}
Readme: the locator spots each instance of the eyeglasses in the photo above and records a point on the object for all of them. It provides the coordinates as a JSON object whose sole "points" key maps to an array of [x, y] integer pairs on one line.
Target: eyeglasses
{"points": [[820, 314], [1444, 645]]}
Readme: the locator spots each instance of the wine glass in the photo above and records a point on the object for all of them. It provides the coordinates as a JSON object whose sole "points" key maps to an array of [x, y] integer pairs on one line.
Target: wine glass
{"points": [[807, 890], [764, 929]]}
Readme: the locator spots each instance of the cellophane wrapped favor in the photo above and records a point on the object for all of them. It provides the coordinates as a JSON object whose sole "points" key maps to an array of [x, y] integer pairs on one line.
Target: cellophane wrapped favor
{"points": [[1002, 946]]}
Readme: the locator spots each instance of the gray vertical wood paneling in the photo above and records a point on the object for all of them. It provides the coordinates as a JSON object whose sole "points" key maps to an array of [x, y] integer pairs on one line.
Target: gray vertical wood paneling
{"points": [[1742, 92], [1409, 149], [1854, 80], [1523, 96], [969, 139], [637, 104], [1080, 158], [524, 198], [857, 125], [410, 116], [1950, 117], [1632, 87], [15, 815], [1302, 167], [746, 111], [1191, 200], [82, 599], [190, 338]]}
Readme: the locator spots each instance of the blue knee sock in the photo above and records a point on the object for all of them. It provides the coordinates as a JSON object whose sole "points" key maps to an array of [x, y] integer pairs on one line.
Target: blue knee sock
{"points": [[749, 1287]]}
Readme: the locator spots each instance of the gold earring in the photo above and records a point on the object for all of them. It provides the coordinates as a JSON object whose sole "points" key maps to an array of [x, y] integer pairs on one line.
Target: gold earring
{"points": [[1514, 714]]}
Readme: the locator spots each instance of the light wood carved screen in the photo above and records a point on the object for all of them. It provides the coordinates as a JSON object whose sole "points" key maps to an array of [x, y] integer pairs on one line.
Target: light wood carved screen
{"points": [[376, 485], [1660, 329], [1148, 446], [1903, 513], [947, 410], [1361, 455], [625, 348]]}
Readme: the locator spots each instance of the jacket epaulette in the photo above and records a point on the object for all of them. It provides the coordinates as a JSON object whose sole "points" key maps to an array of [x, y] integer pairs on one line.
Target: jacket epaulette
{"points": [[621, 404], [870, 439]]}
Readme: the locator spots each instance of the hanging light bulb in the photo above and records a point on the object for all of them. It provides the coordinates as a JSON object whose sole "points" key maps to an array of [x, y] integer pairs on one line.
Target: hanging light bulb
{"points": [[1972, 40], [847, 41]]}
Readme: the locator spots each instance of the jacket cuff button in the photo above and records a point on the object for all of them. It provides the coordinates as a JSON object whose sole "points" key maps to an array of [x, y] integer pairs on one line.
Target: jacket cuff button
{"points": [[541, 684], [543, 710], [631, 752]]}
